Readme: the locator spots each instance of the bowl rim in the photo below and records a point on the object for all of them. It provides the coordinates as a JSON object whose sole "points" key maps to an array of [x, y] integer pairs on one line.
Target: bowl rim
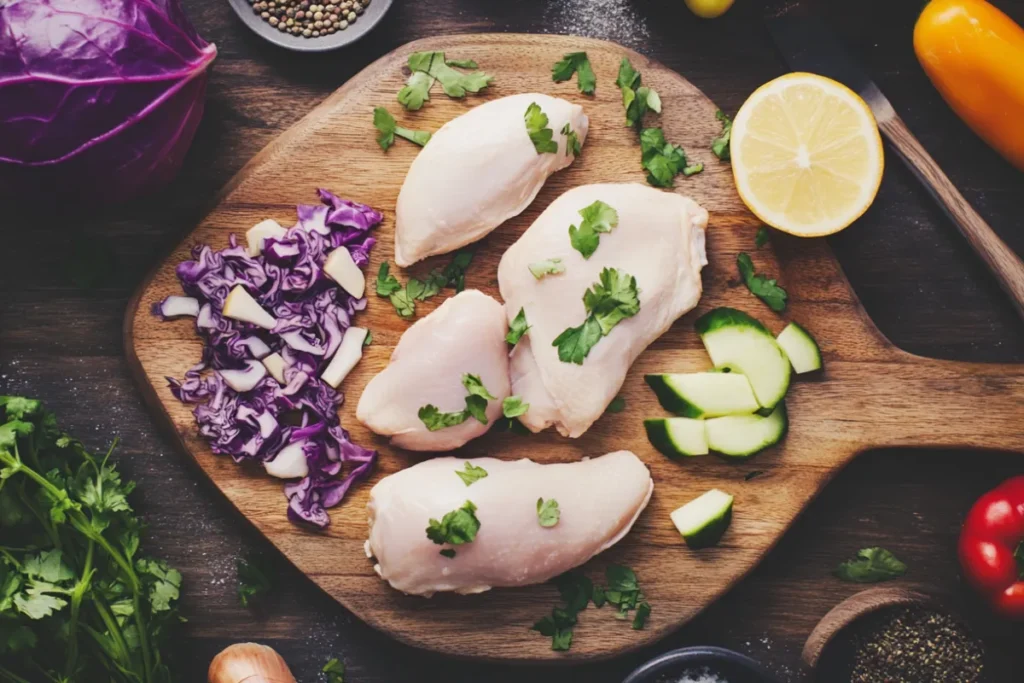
{"points": [[366, 23], [697, 654]]}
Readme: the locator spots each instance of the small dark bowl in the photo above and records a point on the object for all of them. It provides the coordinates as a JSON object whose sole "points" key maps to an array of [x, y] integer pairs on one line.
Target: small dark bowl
{"points": [[363, 25], [726, 664]]}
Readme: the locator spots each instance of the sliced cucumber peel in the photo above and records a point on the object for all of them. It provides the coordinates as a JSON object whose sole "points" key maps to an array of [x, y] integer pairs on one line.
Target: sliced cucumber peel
{"points": [[677, 436], [704, 394], [801, 348], [704, 520], [741, 436]]}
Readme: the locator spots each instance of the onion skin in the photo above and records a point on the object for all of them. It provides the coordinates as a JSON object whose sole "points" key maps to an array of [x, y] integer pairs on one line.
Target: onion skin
{"points": [[249, 663]]}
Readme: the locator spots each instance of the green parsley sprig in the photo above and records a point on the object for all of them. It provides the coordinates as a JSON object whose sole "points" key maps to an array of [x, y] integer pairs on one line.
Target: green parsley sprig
{"points": [[575, 63], [551, 266], [457, 527], [476, 407], [471, 474], [388, 128], [720, 145], [335, 670], [871, 565], [431, 67], [608, 302], [637, 99], [541, 136], [597, 218], [404, 298], [517, 328], [765, 289]]}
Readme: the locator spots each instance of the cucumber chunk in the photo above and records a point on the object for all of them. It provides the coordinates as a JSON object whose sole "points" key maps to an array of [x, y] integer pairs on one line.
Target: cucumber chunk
{"points": [[799, 345], [677, 436], [743, 435], [703, 521], [704, 394], [736, 341]]}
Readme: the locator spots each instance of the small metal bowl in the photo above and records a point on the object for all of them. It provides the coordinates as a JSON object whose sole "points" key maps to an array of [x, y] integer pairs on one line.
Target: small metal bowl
{"points": [[363, 25], [726, 664]]}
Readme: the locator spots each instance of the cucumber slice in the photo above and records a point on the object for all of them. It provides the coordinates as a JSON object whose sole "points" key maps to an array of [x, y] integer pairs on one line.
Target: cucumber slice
{"points": [[704, 394], [799, 345], [736, 341], [703, 521], [743, 435], [677, 436]]}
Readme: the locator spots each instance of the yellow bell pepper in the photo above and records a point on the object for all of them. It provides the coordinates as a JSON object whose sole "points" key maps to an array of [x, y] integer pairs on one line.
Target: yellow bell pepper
{"points": [[974, 54]]}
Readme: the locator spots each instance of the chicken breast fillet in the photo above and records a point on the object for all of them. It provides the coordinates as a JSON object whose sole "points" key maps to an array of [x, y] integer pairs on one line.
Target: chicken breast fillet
{"points": [[464, 335], [599, 500], [659, 239], [479, 170]]}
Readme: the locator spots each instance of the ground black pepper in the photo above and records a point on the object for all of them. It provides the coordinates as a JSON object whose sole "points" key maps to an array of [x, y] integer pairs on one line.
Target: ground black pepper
{"points": [[915, 645], [309, 19]]}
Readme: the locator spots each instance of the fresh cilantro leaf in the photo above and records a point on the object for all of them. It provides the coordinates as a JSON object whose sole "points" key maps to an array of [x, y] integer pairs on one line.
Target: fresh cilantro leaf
{"points": [[387, 284], [476, 387], [335, 671], [636, 99], [416, 90], [435, 282], [37, 602], [454, 83], [415, 289], [561, 640], [617, 405], [752, 475], [576, 590], [517, 328], [456, 528], [434, 419], [598, 597], [513, 406], [650, 97], [163, 582], [765, 289], [612, 299], [572, 141], [622, 579], [575, 62], [476, 407], [643, 611], [455, 272], [597, 218], [871, 565], [574, 343], [662, 160], [536, 126], [253, 580], [548, 512], [421, 61], [387, 129], [18, 407], [720, 145], [551, 266], [47, 566], [471, 474], [448, 552], [405, 305], [693, 169], [628, 76], [762, 237], [462, 63]]}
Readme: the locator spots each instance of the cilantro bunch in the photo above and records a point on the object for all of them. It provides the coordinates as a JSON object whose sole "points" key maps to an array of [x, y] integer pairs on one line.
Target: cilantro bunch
{"points": [[77, 600]]}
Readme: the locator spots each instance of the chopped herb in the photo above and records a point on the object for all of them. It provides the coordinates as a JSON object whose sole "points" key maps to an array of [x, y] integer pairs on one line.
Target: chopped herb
{"points": [[720, 145], [415, 289], [572, 141], [513, 406], [662, 160], [431, 416], [643, 610], [335, 671], [547, 512], [636, 98], [456, 528], [753, 475], [575, 590], [387, 129], [455, 272], [471, 474], [540, 135], [575, 62], [621, 579], [762, 236], [476, 407], [416, 90], [767, 290], [517, 328], [597, 218], [387, 284], [369, 338], [617, 405], [612, 299], [506, 424], [404, 304], [462, 63], [871, 565], [454, 83], [253, 580], [448, 552], [551, 266], [693, 169]]}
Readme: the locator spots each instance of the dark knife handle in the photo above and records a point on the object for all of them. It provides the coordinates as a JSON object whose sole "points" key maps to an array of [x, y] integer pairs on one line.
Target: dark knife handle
{"points": [[1004, 264]]}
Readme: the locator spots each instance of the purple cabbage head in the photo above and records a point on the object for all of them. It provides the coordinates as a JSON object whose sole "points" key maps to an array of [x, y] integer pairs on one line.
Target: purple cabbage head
{"points": [[313, 314], [99, 99]]}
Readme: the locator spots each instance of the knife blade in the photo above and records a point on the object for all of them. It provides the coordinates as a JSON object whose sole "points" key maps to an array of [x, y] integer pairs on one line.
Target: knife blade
{"points": [[807, 44]]}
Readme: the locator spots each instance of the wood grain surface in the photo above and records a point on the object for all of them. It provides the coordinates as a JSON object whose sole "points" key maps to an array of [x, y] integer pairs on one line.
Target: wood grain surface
{"points": [[870, 394], [61, 340]]}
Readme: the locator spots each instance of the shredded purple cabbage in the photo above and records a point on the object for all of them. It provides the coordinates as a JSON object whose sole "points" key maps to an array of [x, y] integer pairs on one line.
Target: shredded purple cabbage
{"points": [[313, 314]]}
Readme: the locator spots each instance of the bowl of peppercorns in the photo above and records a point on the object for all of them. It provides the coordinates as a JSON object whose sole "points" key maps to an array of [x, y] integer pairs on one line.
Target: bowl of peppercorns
{"points": [[311, 25]]}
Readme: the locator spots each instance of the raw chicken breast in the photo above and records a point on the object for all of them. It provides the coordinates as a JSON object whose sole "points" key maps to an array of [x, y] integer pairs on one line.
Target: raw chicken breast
{"points": [[599, 501], [466, 334], [659, 239], [478, 171]]}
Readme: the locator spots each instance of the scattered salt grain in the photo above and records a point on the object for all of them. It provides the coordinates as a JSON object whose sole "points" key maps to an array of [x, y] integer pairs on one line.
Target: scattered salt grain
{"points": [[700, 676], [616, 20]]}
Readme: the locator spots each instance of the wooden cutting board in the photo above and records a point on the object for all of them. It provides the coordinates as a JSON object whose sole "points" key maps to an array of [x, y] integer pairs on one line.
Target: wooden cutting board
{"points": [[870, 394]]}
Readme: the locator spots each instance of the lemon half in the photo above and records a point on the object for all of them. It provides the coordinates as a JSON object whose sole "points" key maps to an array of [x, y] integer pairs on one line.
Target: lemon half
{"points": [[806, 154]]}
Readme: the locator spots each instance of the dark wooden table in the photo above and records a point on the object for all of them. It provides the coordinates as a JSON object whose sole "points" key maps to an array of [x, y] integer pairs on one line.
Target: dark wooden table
{"points": [[60, 337]]}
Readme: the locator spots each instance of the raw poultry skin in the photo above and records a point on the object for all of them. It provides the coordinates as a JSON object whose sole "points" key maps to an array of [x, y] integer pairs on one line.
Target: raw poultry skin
{"points": [[659, 240], [476, 172], [599, 500], [466, 334]]}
